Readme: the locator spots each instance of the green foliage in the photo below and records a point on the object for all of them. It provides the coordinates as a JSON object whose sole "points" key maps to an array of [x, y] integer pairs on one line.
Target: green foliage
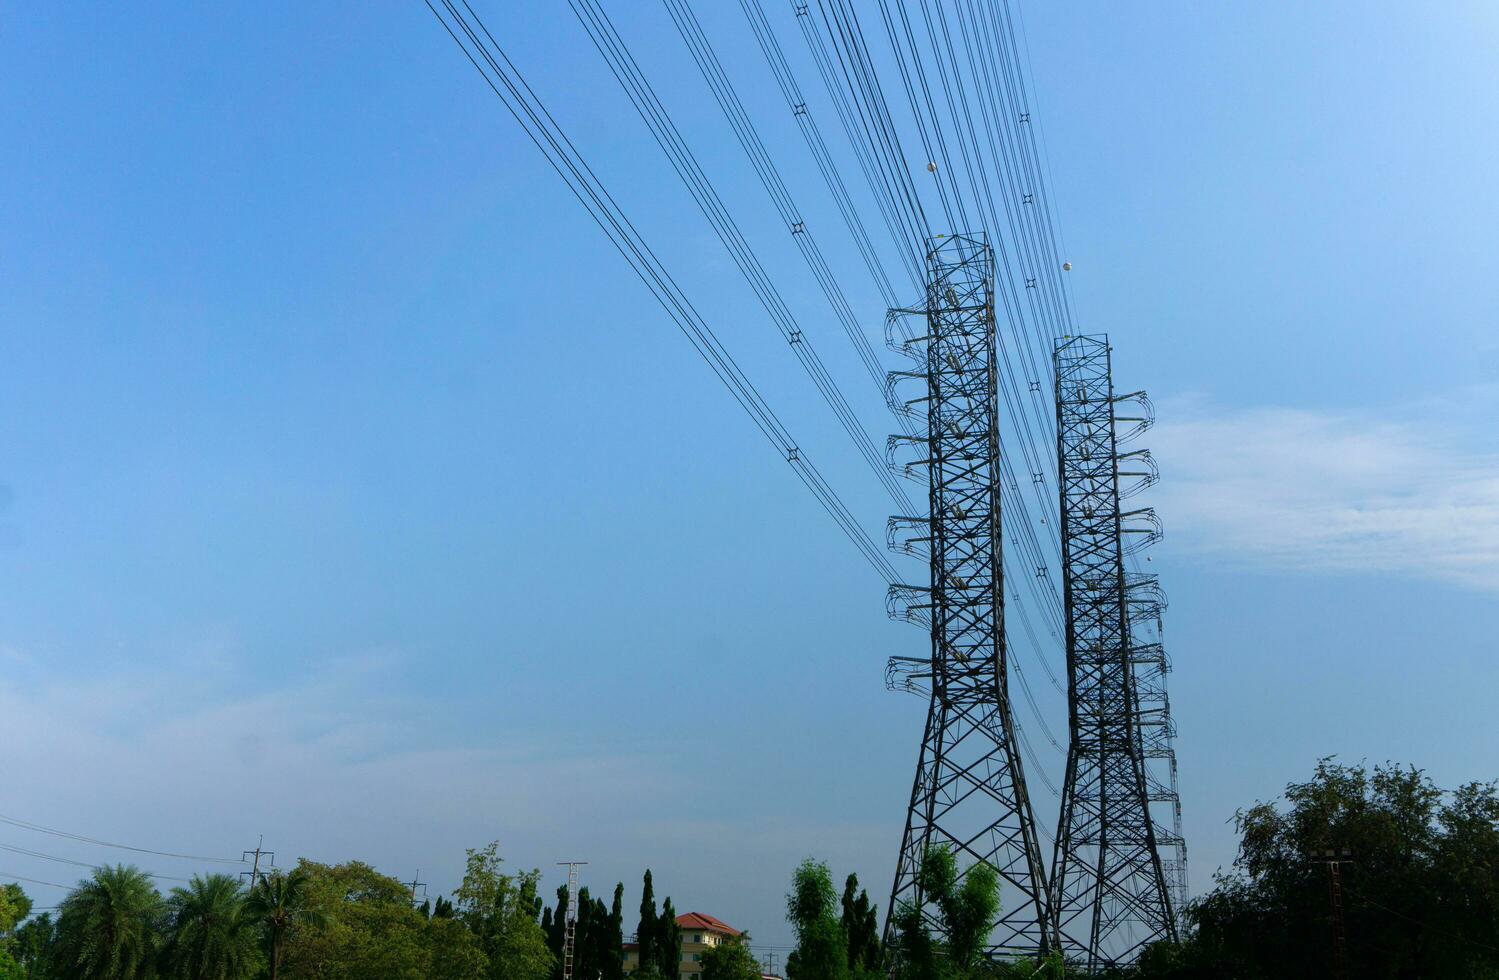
{"points": [[916, 952], [31, 946], [353, 923], [968, 909], [1420, 891], [730, 960], [611, 956], [668, 940], [596, 938], [645, 930], [966, 906], [453, 952], [281, 903], [861, 927], [812, 909], [500, 910], [211, 934], [110, 927], [14, 906], [658, 937]]}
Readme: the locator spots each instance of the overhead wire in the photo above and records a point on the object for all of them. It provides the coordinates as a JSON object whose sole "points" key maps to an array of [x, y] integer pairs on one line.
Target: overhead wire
{"points": [[806, 122], [500, 74], [725, 94], [1032, 427], [642, 95], [851, 53], [80, 864], [32, 881], [81, 838]]}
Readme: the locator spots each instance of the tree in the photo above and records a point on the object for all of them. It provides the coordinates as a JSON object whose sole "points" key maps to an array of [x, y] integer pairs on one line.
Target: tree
{"points": [[453, 952], [1420, 887], [668, 941], [14, 906], [110, 927], [821, 948], [357, 923], [32, 947], [279, 902], [211, 936], [860, 922], [966, 910], [501, 911], [730, 960], [645, 931], [589, 934], [612, 958]]}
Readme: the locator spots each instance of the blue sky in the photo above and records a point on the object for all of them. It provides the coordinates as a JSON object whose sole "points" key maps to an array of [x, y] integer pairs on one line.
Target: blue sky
{"points": [[357, 495]]}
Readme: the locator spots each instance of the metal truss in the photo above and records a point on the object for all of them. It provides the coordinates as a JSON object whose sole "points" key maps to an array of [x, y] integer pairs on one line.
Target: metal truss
{"points": [[969, 793], [1111, 891]]}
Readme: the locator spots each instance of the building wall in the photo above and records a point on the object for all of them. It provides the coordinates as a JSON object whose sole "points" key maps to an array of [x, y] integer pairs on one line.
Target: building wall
{"points": [[694, 943]]}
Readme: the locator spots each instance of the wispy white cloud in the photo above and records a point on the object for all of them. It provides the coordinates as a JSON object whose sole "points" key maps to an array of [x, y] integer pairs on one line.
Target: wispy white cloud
{"points": [[1413, 490], [331, 766]]}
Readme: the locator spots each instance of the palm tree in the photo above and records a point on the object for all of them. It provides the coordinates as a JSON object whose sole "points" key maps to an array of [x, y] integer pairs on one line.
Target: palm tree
{"points": [[279, 903], [109, 927], [212, 935]]}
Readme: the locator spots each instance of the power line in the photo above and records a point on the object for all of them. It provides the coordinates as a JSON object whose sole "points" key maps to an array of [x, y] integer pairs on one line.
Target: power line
{"points": [[81, 838], [33, 881], [626, 70], [506, 81], [79, 864]]}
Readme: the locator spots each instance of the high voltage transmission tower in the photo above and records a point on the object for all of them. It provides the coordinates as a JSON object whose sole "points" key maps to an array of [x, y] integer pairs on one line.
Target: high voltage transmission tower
{"points": [[1112, 890], [1118, 872], [969, 794]]}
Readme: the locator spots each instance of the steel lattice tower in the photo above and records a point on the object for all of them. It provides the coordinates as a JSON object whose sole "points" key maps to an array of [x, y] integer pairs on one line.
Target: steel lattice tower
{"points": [[1111, 892], [969, 793]]}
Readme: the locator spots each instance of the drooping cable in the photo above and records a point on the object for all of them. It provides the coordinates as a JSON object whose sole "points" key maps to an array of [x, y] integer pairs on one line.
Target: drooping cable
{"points": [[648, 105], [478, 45], [81, 838]]}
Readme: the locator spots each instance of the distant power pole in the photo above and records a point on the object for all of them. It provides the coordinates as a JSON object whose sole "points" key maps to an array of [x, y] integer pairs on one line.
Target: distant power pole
{"points": [[254, 873], [1334, 860], [414, 884], [570, 932]]}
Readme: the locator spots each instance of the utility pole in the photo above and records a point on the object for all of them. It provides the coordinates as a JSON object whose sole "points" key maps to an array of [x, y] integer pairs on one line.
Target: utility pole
{"points": [[414, 884], [254, 873], [1334, 860], [570, 932]]}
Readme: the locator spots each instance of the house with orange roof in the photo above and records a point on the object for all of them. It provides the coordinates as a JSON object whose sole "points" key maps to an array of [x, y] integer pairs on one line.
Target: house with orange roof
{"points": [[700, 932]]}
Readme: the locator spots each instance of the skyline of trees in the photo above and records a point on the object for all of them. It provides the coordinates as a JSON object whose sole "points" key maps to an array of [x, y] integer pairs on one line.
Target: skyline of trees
{"points": [[1419, 871]]}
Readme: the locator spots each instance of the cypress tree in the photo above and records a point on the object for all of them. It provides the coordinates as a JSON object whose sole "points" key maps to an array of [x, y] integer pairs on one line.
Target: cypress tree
{"points": [[584, 958], [645, 933], [860, 924], [668, 941], [614, 963], [556, 930]]}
